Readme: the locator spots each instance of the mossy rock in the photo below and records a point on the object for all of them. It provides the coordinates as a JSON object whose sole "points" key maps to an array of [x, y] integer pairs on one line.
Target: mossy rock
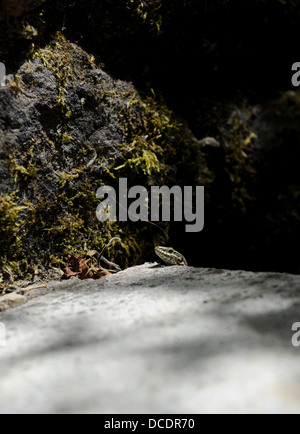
{"points": [[66, 129]]}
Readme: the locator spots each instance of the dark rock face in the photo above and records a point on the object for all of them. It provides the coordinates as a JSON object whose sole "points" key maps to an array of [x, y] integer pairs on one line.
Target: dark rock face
{"points": [[253, 211], [16, 8]]}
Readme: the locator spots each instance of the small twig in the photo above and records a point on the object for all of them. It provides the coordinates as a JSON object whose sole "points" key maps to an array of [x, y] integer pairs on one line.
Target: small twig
{"points": [[108, 246], [111, 264], [114, 268], [31, 288]]}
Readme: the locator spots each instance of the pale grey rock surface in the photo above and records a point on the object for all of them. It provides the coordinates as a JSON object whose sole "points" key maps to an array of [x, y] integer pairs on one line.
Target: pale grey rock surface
{"points": [[155, 340]]}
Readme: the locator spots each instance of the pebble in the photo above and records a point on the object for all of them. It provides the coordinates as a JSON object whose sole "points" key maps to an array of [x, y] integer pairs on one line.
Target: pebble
{"points": [[11, 300]]}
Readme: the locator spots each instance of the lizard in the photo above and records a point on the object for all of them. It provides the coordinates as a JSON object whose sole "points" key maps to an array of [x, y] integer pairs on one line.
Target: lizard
{"points": [[167, 254], [170, 256]]}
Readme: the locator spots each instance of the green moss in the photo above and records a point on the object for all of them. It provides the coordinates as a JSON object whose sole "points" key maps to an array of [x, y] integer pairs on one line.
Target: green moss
{"points": [[156, 140], [65, 178], [10, 233], [147, 164], [21, 172], [148, 13], [238, 162]]}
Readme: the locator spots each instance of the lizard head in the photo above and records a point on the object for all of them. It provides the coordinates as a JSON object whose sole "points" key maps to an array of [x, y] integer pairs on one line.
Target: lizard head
{"points": [[170, 256]]}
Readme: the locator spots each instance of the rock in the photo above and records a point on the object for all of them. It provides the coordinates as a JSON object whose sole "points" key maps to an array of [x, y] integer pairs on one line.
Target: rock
{"points": [[68, 128], [11, 300], [168, 340], [210, 142]]}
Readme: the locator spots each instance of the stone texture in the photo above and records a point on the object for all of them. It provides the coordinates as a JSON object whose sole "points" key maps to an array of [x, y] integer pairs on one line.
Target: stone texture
{"points": [[155, 340]]}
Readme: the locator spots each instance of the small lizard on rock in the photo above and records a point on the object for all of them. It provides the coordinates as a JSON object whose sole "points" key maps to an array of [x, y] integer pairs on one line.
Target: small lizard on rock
{"points": [[170, 256]]}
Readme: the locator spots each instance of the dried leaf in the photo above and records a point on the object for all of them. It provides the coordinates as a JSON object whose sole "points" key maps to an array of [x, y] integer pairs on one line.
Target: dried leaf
{"points": [[83, 269]]}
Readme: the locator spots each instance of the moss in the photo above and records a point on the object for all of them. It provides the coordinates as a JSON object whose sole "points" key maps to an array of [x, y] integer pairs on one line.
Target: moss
{"points": [[157, 140], [16, 85], [58, 57], [21, 172], [147, 163], [148, 13], [10, 234], [239, 161]]}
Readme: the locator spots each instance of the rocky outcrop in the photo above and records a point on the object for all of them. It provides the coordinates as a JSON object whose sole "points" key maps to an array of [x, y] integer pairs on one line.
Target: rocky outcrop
{"points": [[211, 69], [67, 128]]}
